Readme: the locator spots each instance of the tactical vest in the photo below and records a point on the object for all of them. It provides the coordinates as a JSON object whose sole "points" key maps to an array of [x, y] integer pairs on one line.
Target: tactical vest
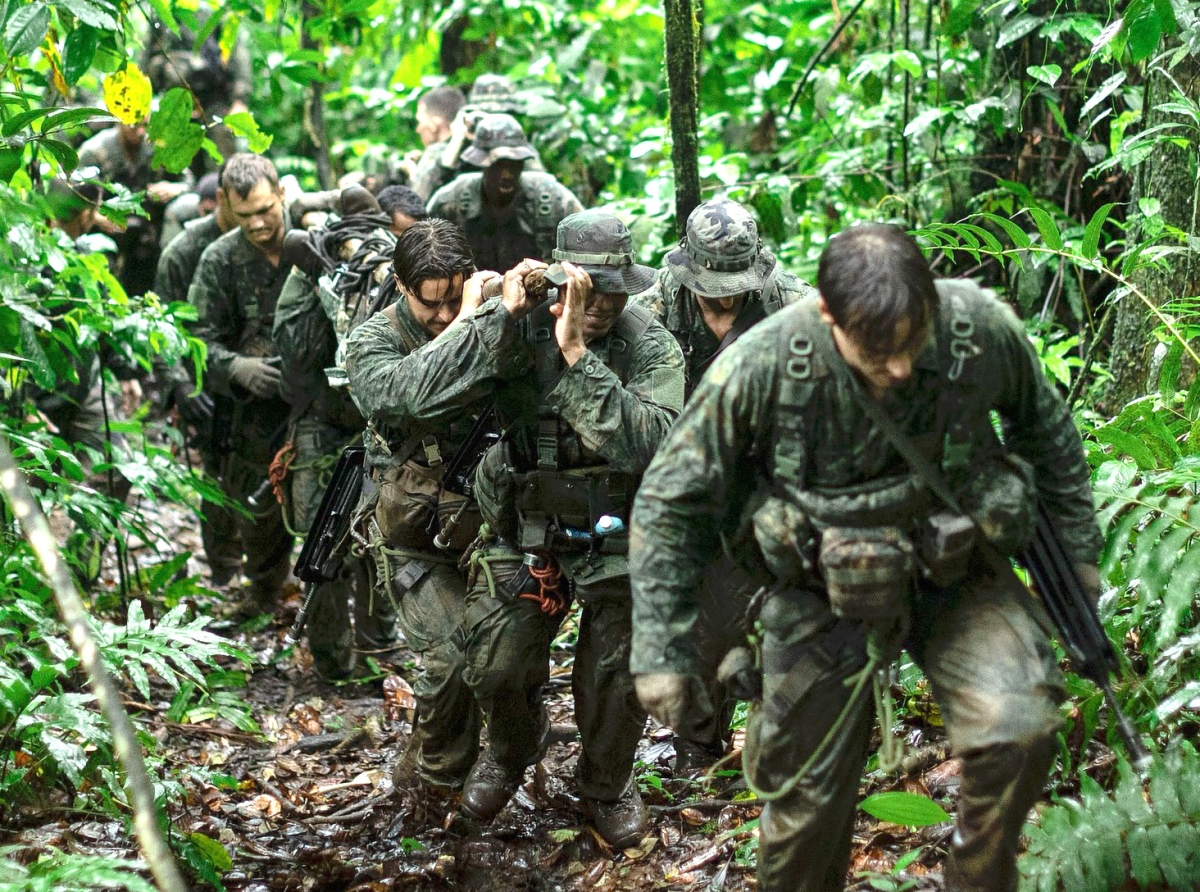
{"points": [[538, 195], [551, 503]]}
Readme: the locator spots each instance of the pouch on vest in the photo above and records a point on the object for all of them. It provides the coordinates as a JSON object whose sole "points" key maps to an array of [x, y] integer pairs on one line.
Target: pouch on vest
{"points": [[1002, 498], [412, 507], [868, 572], [947, 541], [785, 537]]}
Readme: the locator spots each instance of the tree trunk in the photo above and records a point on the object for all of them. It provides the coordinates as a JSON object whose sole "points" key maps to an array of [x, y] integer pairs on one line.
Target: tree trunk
{"points": [[1167, 174], [683, 65]]}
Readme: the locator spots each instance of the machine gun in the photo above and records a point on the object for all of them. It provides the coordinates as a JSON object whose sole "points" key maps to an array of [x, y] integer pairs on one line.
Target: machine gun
{"points": [[459, 471], [320, 557], [1079, 629]]}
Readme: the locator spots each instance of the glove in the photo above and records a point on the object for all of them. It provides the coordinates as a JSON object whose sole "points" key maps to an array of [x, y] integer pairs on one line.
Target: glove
{"points": [[257, 375], [194, 410], [1089, 578], [667, 694]]}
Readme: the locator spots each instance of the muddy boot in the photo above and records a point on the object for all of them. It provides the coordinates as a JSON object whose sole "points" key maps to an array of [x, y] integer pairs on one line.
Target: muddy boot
{"points": [[624, 822], [488, 788], [692, 758]]}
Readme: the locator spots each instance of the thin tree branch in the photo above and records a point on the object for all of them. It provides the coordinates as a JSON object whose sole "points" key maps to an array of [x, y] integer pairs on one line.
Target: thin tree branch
{"points": [[129, 753]]}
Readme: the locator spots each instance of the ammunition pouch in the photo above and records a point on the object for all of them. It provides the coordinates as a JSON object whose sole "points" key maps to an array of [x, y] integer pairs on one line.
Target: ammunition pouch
{"points": [[413, 507], [945, 546], [559, 509], [786, 538], [868, 571]]}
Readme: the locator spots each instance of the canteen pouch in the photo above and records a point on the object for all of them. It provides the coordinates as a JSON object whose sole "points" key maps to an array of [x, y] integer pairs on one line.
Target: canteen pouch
{"points": [[413, 506], [868, 572], [947, 540]]}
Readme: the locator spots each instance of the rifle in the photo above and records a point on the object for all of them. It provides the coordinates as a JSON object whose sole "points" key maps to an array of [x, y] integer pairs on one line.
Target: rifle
{"points": [[1079, 629], [458, 473], [320, 557]]}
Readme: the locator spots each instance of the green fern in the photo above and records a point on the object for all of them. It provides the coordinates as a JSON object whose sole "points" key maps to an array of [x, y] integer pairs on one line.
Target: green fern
{"points": [[1101, 842]]}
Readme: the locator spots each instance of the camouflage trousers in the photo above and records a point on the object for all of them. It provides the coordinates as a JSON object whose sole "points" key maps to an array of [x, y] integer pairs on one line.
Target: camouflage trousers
{"points": [[508, 656], [993, 674], [723, 598]]}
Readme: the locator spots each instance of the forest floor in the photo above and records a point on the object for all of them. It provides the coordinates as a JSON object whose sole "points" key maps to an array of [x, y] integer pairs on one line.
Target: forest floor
{"points": [[306, 804]]}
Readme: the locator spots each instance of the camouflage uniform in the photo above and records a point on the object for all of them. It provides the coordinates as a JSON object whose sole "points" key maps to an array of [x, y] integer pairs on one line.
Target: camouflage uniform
{"points": [[775, 429], [234, 291], [385, 373], [721, 256], [577, 439], [527, 226], [138, 246], [173, 279]]}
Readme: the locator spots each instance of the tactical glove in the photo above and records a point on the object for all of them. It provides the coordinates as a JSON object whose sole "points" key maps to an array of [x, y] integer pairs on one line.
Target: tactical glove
{"points": [[1089, 578], [666, 695], [257, 375], [194, 410]]}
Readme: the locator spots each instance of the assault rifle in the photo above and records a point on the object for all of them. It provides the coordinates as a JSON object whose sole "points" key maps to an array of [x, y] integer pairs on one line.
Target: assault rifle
{"points": [[320, 557], [460, 469], [1079, 629]]}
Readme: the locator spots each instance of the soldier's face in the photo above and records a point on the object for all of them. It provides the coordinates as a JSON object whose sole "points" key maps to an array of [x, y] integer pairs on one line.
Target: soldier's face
{"points": [[600, 313], [500, 181], [435, 303], [259, 214], [431, 128], [721, 306], [879, 371]]}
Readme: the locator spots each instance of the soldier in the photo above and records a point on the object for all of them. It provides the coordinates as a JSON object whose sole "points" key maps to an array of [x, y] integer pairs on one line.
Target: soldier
{"points": [[433, 282], [797, 433], [585, 388], [324, 420], [234, 291], [172, 282], [717, 284], [507, 213], [403, 206], [123, 155], [190, 206]]}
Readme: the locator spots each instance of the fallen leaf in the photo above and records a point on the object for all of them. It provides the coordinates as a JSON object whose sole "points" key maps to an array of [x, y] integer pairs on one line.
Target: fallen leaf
{"points": [[669, 835], [694, 816], [642, 849], [267, 804]]}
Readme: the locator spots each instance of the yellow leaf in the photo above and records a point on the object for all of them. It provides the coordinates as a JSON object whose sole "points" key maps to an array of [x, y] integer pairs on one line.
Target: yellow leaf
{"points": [[229, 33], [50, 51], [127, 94]]}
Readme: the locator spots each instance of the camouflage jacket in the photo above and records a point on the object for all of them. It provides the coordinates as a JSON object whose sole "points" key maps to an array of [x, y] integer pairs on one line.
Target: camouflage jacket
{"points": [[104, 150], [526, 228], [728, 442], [234, 291], [675, 307], [179, 259], [431, 174], [305, 338]]}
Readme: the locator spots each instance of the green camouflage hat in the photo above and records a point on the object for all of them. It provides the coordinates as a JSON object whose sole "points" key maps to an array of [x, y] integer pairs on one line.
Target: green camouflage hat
{"points": [[602, 245], [497, 138], [717, 257], [495, 93]]}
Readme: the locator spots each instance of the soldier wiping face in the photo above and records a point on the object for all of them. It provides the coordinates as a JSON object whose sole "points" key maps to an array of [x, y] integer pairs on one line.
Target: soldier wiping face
{"points": [[432, 265], [435, 302]]}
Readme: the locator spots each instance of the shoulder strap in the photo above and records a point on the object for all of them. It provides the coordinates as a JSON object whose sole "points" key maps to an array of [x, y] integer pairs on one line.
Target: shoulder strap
{"points": [[629, 328], [800, 367], [391, 313], [752, 315], [770, 291]]}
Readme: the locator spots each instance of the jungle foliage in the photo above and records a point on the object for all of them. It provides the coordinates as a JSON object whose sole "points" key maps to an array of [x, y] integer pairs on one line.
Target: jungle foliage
{"points": [[1007, 135]]}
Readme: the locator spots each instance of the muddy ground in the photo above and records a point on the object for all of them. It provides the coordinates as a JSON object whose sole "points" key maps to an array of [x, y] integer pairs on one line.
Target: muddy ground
{"points": [[306, 804]]}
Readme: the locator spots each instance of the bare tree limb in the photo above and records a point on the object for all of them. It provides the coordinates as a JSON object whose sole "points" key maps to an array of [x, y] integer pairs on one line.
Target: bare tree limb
{"points": [[129, 753]]}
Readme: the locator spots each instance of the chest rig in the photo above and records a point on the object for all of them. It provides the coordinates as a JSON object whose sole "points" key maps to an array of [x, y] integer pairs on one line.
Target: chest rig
{"points": [[570, 489]]}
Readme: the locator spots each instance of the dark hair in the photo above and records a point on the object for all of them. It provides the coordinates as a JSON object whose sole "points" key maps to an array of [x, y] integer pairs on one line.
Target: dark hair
{"points": [[401, 200], [443, 102], [207, 187], [872, 278], [431, 249], [244, 171]]}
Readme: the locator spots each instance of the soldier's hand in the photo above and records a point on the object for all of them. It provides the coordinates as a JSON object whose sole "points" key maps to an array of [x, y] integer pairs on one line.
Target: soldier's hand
{"points": [[570, 311], [665, 695], [257, 375], [164, 191], [194, 410], [473, 291], [514, 296], [1089, 578]]}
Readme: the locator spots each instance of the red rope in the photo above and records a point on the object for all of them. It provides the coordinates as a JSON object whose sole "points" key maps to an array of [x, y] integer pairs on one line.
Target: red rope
{"points": [[552, 595], [280, 465]]}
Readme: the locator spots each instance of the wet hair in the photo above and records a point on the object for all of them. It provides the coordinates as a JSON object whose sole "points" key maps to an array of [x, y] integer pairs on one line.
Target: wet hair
{"points": [[872, 278], [444, 102], [431, 249], [207, 187], [244, 171], [402, 200]]}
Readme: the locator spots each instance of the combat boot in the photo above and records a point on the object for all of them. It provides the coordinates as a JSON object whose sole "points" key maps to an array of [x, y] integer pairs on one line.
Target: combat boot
{"points": [[692, 758], [488, 788], [624, 822]]}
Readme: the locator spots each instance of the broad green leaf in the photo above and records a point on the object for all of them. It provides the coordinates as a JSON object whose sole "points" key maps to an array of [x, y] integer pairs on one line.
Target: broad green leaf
{"points": [[1091, 235], [1105, 90], [1047, 227], [243, 124], [1128, 444], [10, 162], [67, 157], [1019, 237], [1018, 27], [89, 12], [906, 809], [78, 52], [26, 29], [960, 17], [925, 120], [1168, 376], [1166, 16], [162, 8], [216, 853], [1145, 32], [57, 120], [176, 137], [1047, 74]]}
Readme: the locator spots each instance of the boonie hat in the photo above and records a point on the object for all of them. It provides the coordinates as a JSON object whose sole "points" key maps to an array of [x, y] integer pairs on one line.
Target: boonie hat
{"points": [[717, 256], [494, 93], [498, 137], [598, 242]]}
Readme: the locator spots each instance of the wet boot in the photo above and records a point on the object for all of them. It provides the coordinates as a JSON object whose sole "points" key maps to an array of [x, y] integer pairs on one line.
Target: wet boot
{"points": [[489, 787], [692, 758], [624, 822]]}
